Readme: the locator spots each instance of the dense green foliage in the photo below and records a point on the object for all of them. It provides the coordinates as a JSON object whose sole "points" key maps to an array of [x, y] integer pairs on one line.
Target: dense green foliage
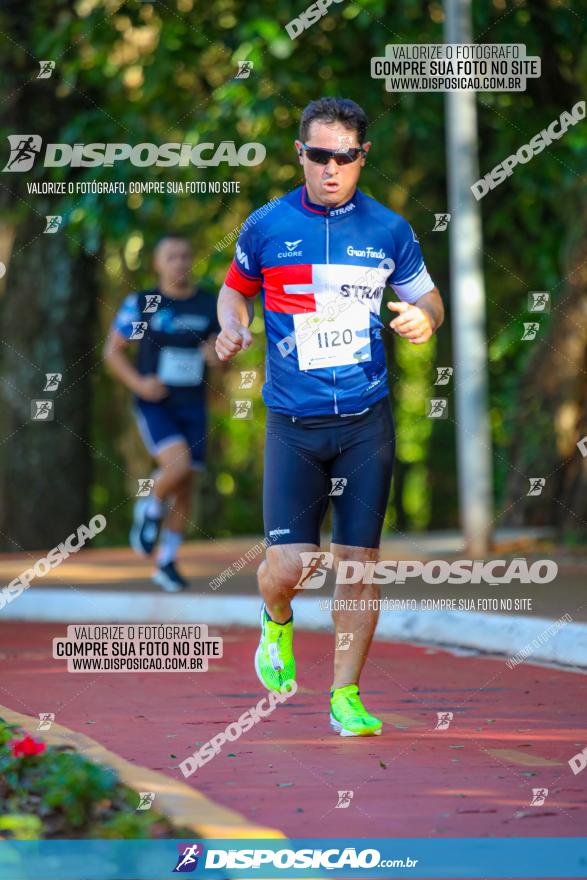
{"points": [[164, 71]]}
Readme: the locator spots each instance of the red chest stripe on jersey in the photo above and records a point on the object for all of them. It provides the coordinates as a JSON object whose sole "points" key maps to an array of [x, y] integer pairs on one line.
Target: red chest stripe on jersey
{"points": [[277, 299]]}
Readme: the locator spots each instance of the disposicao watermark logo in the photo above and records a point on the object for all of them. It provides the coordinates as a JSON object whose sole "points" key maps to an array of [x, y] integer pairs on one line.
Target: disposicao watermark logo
{"points": [[579, 761], [25, 148], [436, 571], [318, 859], [526, 152], [308, 17], [53, 558], [236, 729]]}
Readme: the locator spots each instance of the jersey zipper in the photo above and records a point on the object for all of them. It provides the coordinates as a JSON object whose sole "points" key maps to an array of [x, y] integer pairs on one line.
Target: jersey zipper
{"points": [[328, 281]]}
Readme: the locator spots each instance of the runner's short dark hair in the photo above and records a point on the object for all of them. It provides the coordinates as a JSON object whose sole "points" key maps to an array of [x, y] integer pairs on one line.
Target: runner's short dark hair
{"points": [[330, 110], [170, 236]]}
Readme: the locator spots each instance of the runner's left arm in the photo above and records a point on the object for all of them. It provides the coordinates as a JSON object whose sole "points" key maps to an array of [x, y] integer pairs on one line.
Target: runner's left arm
{"points": [[420, 311], [418, 321]]}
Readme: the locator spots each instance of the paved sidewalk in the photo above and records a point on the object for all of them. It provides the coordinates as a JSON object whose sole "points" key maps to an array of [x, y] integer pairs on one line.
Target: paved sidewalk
{"points": [[203, 561], [512, 730]]}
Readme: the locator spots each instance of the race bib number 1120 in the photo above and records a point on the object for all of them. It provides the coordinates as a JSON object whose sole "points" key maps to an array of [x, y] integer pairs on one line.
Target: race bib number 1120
{"points": [[333, 338]]}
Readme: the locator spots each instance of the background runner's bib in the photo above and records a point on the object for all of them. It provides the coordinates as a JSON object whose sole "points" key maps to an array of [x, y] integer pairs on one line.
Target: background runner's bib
{"points": [[180, 366], [335, 335]]}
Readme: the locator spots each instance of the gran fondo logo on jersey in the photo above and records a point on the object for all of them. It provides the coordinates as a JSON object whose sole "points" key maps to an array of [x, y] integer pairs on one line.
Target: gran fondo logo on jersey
{"points": [[25, 148]]}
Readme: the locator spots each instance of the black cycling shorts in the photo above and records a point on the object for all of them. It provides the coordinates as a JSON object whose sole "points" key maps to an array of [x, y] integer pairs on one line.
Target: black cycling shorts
{"points": [[345, 459]]}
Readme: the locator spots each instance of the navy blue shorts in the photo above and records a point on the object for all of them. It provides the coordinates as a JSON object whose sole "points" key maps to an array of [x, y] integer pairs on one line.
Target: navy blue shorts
{"points": [[310, 461], [163, 423]]}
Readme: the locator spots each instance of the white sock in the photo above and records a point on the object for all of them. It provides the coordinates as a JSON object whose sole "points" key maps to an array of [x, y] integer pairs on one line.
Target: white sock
{"points": [[169, 544], [155, 507]]}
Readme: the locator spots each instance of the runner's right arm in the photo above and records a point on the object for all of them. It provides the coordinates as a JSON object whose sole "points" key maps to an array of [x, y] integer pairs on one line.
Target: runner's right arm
{"points": [[235, 300], [235, 313], [116, 353], [116, 358]]}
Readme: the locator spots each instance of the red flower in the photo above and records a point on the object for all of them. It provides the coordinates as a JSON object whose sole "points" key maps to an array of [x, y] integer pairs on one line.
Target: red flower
{"points": [[26, 746]]}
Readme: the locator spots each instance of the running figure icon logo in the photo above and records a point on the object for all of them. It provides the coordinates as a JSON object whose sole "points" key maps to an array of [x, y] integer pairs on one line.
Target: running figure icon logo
{"points": [[188, 857], [247, 379], [242, 409], [539, 795], [443, 375], [152, 301], [244, 69], [42, 410], [53, 223], [24, 149], [146, 799], [345, 143], [438, 408], [46, 719], [444, 719], [344, 800], [441, 222], [530, 331], [52, 381], [338, 484], [343, 641], [47, 68], [315, 566], [138, 329], [538, 301], [145, 486], [537, 484]]}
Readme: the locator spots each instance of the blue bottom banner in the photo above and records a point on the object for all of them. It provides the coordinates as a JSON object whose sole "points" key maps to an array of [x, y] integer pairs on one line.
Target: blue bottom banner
{"points": [[506, 857]]}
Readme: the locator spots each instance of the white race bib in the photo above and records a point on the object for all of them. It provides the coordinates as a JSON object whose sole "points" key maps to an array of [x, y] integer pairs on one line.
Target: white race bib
{"points": [[180, 366], [334, 336]]}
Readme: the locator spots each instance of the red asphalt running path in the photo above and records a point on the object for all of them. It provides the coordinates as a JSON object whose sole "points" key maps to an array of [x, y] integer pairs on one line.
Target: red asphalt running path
{"points": [[512, 730]]}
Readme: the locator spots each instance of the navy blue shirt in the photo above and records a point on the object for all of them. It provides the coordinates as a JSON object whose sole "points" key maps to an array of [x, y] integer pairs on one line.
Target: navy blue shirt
{"points": [[169, 334]]}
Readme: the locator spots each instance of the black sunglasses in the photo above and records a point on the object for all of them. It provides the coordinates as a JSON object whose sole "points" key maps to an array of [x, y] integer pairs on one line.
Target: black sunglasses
{"points": [[323, 157]]}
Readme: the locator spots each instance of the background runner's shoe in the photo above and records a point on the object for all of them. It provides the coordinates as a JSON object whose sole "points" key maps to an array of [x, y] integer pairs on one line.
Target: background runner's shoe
{"points": [[348, 716], [274, 660], [169, 579], [142, 502], [139, 509], [145, 534]]}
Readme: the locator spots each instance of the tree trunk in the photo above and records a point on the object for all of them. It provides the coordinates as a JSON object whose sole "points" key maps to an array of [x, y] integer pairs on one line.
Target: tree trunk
{"points": [[47, 327], [551, 413], [46, 313]]}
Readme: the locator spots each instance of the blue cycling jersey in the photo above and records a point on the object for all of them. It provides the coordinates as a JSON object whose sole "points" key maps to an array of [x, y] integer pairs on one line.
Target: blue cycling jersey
{"points": [[322, 273], [169, 334]]}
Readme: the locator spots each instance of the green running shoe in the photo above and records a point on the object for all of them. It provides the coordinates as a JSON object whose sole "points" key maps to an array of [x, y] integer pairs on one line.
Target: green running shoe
{"points": [[348, 716], [275, 664]]}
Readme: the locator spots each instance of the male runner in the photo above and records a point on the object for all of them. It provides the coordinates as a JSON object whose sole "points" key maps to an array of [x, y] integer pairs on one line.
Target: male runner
{"points": [[171, 326], [322, 258]]}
